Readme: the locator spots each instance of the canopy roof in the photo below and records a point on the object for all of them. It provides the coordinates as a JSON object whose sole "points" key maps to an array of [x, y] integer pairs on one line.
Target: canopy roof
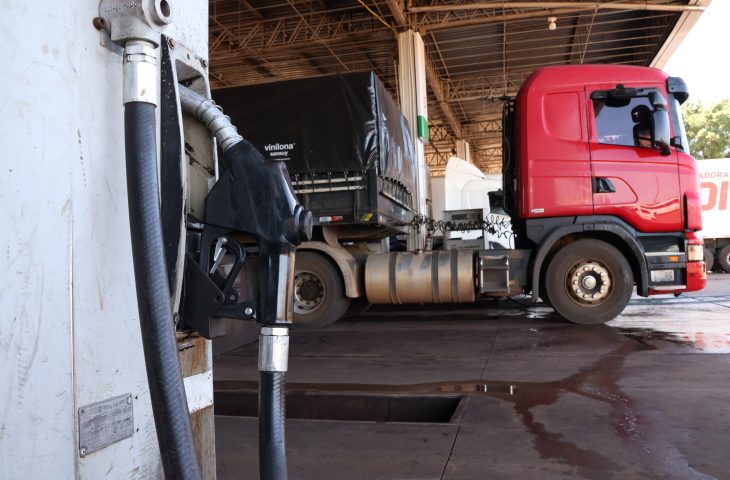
{"points": [[476, 52]]}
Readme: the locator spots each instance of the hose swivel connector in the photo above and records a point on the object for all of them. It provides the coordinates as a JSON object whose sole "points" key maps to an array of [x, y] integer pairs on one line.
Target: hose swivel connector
{"points": [[139, 67], [274, 349]]}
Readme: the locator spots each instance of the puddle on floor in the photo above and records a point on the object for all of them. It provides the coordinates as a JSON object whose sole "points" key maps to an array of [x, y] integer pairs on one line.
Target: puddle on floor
{"points": [[597, 381], [697, 330], [700, 323]]}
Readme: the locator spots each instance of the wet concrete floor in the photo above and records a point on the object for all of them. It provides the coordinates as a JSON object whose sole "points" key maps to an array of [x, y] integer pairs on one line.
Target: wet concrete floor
{"points": [[645, 396]]}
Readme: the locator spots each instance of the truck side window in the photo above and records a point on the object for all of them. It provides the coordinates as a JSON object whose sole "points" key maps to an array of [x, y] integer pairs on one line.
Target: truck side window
{"points": [[629, 125]]}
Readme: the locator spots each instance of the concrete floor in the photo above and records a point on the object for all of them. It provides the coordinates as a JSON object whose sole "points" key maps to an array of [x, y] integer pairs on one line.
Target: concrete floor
{"points": [[643, 397]]}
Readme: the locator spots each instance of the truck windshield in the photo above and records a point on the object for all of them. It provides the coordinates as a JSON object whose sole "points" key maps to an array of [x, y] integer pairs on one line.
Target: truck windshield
{"points": [[679, 141]]}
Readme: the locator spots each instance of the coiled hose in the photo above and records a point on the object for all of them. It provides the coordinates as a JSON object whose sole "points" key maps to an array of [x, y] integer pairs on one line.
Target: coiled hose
{"points": [[169, 404], [272, 415]]}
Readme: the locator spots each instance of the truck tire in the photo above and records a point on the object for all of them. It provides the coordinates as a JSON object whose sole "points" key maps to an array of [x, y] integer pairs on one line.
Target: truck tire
{"points": [[709, 259], [589, 282], [319, 295], [723, 258]]}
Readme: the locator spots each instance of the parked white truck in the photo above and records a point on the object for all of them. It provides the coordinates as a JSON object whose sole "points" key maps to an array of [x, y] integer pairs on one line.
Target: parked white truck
{"points": [[465, 190], [714, 185]]}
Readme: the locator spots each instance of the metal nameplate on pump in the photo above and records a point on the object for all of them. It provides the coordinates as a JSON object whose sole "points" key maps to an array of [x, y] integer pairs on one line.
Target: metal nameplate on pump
{"points": [[106, 422]]}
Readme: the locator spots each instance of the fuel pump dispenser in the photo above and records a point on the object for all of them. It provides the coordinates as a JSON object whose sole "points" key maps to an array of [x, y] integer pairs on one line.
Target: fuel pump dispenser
{"points": [[250, 226]]}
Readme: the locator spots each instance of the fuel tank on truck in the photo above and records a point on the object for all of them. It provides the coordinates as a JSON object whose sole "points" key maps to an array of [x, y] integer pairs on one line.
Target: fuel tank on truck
{"points": [[439, 276]]}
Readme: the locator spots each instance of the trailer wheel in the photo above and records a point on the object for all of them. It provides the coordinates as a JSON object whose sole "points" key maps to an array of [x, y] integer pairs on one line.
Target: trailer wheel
{"points": [[709, 259], [319, 295], [589, 282], [723, 258]]}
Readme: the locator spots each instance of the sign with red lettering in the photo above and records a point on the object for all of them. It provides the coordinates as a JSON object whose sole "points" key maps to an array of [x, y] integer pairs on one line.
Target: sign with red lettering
{"points": [[714, 187]]}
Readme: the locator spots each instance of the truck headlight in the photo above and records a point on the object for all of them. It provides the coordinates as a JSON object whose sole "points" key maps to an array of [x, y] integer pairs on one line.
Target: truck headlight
{"points": [[695, 253]]}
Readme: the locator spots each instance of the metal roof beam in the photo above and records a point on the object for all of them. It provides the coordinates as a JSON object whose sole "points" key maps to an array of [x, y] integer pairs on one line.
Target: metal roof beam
{"points": [[273, 36], [396, 10], [250, 8], [428, 23], [642, 5], [322, 41], [442, 17]]}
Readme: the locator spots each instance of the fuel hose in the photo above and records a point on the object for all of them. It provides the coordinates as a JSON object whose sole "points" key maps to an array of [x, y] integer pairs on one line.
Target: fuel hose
{"points": [[164, 376]]}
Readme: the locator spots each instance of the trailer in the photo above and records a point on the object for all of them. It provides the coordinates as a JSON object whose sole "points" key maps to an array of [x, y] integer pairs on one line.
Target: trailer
{"points": [[714, 179], [597, 178], [345, 144]]}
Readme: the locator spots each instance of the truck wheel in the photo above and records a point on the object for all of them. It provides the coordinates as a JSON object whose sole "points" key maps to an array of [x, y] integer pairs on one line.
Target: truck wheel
{"points": [[319, 296], [709, 259], [589, 282], [723, 258]]}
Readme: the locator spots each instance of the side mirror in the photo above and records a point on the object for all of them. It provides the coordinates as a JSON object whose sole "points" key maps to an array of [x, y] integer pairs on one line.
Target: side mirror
{"points": [[677, 87], [662, 135]]}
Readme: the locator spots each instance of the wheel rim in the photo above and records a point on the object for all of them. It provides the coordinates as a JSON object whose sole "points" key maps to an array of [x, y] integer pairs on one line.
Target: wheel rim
{"points": [[589, 283], [309, 292]]}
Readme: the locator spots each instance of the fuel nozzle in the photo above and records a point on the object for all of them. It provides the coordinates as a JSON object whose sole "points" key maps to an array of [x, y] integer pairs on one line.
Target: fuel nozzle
{"points": [[255, 196]]}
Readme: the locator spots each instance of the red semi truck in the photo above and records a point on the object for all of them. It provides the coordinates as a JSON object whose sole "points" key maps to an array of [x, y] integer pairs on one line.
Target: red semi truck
{"points": [[598, 180]]}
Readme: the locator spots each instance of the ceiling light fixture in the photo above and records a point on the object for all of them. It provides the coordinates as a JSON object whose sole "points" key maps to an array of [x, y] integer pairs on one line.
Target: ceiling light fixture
{"points": [[551, 23]]}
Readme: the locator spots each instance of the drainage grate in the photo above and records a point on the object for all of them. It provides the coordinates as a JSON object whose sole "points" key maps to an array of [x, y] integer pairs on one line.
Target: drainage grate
{"points": [[362, 408]]}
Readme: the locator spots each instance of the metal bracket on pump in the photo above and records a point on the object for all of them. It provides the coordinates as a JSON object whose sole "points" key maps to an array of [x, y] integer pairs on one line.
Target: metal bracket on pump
{"points": [[140, 20], [209, 283]]}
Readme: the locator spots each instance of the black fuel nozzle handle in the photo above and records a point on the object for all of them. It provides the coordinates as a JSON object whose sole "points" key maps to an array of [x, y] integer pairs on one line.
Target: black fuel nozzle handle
{"points": [[255, 196]]}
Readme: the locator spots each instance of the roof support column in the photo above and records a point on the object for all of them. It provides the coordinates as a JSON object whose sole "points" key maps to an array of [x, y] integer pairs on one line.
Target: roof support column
{"points": [[413, 102], [463, 151]]}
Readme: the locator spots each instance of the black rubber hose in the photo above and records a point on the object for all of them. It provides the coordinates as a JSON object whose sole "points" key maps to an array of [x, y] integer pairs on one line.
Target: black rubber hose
{"points": [[272, 414], [169, 405]]}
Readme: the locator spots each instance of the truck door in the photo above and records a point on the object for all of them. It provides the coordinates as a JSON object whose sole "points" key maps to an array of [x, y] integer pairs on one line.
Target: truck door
{"points": [[632, 179]]}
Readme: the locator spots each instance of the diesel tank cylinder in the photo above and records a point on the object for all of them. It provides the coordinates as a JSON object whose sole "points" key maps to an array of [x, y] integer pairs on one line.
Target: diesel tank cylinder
{"points": [[445, 276]]}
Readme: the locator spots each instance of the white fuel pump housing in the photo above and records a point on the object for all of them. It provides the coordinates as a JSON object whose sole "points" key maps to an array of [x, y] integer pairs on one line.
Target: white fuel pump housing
{"points": [[70, 343]]}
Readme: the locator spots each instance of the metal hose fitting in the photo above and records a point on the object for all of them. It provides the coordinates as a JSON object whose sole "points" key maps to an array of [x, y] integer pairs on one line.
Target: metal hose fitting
{"points": [[212, 116]]}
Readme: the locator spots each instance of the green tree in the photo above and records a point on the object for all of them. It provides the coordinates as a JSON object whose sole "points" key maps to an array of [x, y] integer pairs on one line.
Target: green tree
{"points": [[708, 129]]}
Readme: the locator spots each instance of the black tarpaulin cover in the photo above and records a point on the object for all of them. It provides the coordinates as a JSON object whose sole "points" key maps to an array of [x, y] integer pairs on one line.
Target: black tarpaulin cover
{"points": [[326, 124]]}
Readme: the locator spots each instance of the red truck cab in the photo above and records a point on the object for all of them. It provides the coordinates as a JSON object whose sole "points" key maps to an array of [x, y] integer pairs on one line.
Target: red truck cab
{"points": [[599, 153]]}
